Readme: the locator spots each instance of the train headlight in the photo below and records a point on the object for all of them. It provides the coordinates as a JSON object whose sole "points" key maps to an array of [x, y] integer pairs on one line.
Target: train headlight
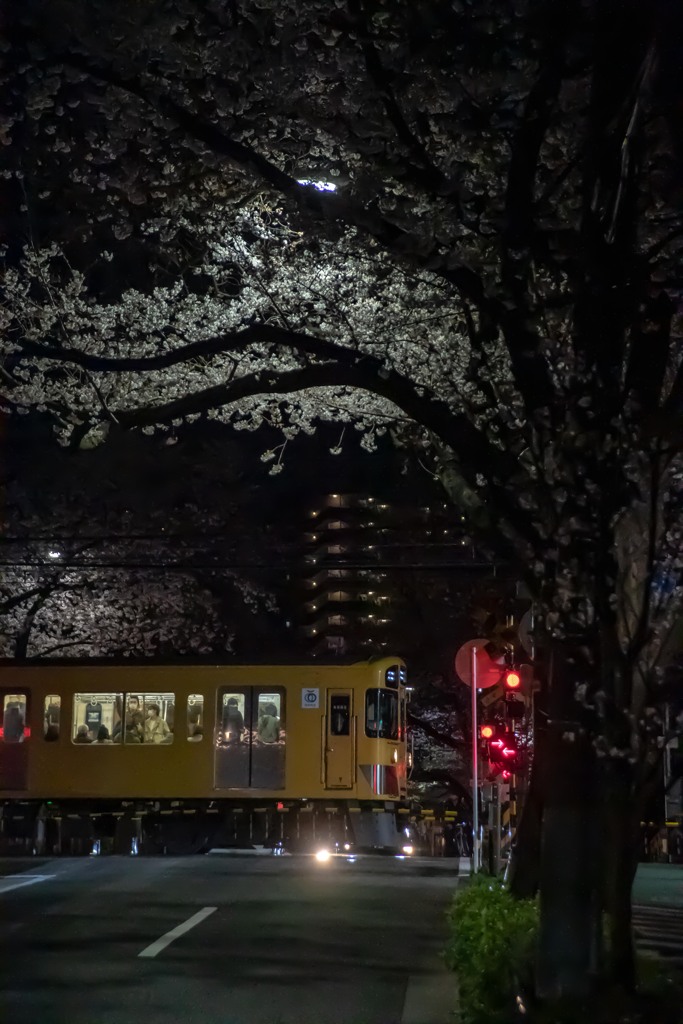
{"points": [[322, 856]]}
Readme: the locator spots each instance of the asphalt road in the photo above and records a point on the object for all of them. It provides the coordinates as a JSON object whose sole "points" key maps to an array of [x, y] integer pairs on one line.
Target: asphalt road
{"points": [[224, 940]]}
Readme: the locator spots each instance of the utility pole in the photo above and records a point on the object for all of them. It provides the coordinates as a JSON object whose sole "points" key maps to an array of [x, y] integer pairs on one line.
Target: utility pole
{"points": [[475, 764]]}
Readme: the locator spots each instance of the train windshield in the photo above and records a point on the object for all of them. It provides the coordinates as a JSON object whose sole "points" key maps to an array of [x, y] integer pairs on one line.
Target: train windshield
{"points": [[381, 714]]}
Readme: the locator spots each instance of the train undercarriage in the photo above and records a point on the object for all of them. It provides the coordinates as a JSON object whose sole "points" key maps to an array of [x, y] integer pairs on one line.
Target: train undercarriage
{"points": [[178, 828]]}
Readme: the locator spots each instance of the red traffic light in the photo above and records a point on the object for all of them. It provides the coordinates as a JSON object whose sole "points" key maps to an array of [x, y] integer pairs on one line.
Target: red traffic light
{"points": [[512, 680], [486, 732]]}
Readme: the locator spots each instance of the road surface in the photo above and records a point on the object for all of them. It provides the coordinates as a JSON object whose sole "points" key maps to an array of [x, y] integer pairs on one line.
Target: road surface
{"points": [[224, 940]]}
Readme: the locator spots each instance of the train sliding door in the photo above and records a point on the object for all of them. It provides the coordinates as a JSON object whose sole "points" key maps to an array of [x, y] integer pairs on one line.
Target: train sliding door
{"points": [[14, 734], [251, 737], [340, 740], [233, 718]]}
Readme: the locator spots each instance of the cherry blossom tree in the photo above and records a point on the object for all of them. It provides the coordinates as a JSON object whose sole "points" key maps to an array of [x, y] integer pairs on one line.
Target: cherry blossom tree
{"points": [[451, 221], [115, 553], [95, 614]]}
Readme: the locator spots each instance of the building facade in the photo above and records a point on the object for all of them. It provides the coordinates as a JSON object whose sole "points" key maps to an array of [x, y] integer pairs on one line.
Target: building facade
{"points": [[361, 555]]}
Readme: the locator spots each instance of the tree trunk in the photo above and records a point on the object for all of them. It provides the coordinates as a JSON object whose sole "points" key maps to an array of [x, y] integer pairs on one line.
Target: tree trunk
{"points": [[619, 855], [568, 957], [525, 860]]}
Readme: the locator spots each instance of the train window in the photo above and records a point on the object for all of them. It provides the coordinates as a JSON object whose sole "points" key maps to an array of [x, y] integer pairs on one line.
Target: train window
{"points": [[150, 718], [340, 715], [195, 717], [232, 718], [51, 709], [391, 677], [97, 718], [381, 714], [13, 728]]}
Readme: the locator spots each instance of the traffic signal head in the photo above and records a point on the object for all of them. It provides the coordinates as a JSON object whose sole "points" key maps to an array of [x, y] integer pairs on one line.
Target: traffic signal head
{"points": [[502, 746], [486, 732], [512, 680]]}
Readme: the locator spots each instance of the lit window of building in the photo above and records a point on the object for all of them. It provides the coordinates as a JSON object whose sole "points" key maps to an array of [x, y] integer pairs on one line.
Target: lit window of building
{"points": [[338, 620]]}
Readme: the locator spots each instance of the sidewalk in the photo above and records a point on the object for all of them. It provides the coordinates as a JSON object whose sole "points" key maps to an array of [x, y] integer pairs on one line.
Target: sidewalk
{"points": [[659, 885]]}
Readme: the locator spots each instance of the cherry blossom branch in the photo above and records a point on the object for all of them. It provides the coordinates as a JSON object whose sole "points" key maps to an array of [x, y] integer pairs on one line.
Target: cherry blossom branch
{"points": [[223, 344], [367, 374], [328, 205]]}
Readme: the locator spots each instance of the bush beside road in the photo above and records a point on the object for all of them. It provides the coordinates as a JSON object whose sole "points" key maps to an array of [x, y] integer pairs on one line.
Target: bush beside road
{"points": [[492, 946]]}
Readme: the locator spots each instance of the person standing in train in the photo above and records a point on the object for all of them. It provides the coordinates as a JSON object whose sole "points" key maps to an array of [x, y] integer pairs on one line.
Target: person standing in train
{"points": [[269, 725], [156, 729]]}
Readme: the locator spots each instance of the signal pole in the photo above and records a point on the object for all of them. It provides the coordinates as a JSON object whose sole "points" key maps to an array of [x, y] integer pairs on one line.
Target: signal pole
{"points": [[476, 669], [475, 765]]}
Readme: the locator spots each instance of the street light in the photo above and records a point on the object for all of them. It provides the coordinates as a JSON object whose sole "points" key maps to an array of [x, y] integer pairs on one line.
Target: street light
{"points": [[320, 186]]}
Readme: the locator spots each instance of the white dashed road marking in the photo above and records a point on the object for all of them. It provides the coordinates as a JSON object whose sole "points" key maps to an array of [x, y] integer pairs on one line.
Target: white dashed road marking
{"points": [[175, 933], [10, 882]]}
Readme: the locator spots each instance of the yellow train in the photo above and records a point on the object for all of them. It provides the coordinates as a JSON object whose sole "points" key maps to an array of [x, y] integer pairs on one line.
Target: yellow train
{"points": [[92, 752]]}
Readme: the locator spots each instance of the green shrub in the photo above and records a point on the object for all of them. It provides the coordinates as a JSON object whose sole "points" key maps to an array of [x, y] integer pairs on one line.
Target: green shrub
{"points": [[491, 948]]}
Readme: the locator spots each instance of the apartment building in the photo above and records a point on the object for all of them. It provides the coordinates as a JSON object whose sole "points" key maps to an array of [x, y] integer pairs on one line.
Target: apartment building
{"points": [[361, 555]]}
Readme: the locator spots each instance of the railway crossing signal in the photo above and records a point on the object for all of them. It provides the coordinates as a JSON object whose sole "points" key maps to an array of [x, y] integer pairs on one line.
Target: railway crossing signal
{"points": [[512, 679], [501, 747]]}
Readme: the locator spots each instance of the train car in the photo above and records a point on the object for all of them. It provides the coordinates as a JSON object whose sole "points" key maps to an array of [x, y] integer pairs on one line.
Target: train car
{"points": [[182, 757]]}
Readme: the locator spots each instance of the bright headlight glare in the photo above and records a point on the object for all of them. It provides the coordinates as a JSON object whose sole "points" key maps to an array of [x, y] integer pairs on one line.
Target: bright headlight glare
{"points": [[407, 850], [322, 855]]}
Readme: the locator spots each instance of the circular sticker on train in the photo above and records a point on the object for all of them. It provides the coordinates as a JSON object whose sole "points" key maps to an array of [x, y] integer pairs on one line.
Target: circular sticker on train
{"points": [[310, 698]]}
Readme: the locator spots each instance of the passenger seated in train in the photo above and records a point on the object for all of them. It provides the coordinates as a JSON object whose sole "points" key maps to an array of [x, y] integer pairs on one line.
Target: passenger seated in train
{"points": [[196, 735], [134, 728], [82, 735], [103, 735]]}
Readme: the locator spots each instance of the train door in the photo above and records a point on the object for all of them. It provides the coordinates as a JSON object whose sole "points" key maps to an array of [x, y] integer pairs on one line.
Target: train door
{"points": [[232, 744], [340, 740], [251, 737], [14, 733]]}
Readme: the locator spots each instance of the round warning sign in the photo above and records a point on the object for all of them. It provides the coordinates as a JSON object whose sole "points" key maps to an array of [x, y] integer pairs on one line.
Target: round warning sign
{"points": [[487, 670]]}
